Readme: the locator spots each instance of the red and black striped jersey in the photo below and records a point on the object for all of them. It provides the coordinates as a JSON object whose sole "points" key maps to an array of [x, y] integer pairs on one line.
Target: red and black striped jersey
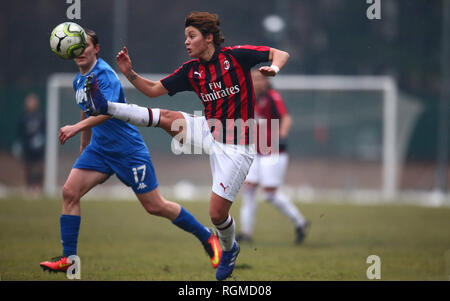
{"points": [[268, 107], [224, 85]]}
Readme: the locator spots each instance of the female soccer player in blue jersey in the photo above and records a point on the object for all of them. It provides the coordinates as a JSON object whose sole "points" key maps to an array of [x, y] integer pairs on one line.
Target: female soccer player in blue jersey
{"points": [[111, 146], [220, 76]]}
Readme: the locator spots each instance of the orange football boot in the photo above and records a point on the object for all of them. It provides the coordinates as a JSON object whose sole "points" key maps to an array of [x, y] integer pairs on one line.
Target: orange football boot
{"points": [[213, 248], [57, 264]]}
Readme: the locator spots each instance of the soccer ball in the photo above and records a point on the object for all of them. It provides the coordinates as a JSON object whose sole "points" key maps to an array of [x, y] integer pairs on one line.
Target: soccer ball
{"points": [[68, 40]]}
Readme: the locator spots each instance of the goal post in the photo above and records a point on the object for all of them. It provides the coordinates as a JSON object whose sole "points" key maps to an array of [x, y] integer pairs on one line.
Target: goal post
{"points": [[386, 85], [383, 84]]}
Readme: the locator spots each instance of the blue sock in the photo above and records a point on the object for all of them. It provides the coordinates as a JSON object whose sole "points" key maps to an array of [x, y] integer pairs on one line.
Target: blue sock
{"points": [[188, 223], [70, 227]]}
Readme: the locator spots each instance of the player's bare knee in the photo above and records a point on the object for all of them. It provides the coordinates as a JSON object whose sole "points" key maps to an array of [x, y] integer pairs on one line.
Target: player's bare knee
{"points": [[171, 121], [70, 195], [166, 117], [217, 216], [155, 209], [165, 114], [165, 120]]}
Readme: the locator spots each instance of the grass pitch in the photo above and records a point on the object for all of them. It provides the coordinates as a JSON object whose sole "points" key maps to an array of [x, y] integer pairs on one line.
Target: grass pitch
{"points": [[120, 241]]}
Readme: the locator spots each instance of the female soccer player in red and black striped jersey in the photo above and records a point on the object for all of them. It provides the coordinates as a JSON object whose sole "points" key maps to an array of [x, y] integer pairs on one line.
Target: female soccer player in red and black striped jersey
{"points": [[221, 78], [270, 163]]}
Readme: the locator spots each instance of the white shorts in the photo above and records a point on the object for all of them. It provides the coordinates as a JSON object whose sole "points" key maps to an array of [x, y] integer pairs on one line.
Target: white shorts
{"points": [[229, 163], [268, 171]]}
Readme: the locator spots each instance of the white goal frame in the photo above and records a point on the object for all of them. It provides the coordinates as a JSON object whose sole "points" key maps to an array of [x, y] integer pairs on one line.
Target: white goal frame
{"points": [[384, 84]]}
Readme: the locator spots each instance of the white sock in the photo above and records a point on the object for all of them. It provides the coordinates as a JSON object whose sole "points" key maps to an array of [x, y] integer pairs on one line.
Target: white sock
{"points": [[134, 114], [286, 207], [226, 233], [155, 114], [248, 210]]}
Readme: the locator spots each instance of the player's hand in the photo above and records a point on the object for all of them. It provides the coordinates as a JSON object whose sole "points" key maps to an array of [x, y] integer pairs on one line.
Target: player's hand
{"points": [[267, 71], [124, 61], [67, 132]]}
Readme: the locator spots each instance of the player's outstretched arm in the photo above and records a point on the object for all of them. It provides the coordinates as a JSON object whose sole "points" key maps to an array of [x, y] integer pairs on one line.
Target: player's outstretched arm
{"points": [[278, 58], [68, 131], [146, 86]]}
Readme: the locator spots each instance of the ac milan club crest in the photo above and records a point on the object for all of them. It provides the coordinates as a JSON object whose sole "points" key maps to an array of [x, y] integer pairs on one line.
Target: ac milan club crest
{"points": [[226, 65]]}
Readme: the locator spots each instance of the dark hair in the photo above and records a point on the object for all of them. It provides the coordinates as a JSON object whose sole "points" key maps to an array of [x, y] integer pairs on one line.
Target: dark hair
{"points": [[92, 35], [94, 38], [207, 24]]}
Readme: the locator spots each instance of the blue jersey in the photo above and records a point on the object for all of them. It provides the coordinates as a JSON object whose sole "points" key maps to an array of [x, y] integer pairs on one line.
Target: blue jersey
{"points": [[112, 136]]}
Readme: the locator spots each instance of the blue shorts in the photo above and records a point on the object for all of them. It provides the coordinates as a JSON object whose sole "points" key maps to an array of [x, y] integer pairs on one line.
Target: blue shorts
{"points": [[134, 170]]}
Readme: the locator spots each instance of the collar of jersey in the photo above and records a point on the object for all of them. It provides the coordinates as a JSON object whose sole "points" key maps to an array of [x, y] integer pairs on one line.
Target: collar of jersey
{"points": [[213, 58]]}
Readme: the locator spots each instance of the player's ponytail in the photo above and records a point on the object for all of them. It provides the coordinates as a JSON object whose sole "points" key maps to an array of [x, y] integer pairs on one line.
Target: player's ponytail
{"points": [[206, 23]]}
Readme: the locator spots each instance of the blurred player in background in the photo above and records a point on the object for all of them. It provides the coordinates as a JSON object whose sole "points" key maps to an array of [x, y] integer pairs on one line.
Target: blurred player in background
{"points": [[221, 78], [111, 146], [32, 138], [269, 166]]}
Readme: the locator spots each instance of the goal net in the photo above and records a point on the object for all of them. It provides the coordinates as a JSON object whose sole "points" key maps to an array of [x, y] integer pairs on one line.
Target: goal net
{"points": [[346, 138]]}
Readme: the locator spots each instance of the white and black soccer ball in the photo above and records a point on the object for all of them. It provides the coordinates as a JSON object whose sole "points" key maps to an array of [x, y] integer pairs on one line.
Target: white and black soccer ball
{"points": [[68, 40]]}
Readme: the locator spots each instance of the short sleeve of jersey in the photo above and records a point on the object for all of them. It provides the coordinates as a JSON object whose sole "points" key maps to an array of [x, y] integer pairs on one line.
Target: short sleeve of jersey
{"points": [[249, 56], [178, 81], [279, 103]]}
